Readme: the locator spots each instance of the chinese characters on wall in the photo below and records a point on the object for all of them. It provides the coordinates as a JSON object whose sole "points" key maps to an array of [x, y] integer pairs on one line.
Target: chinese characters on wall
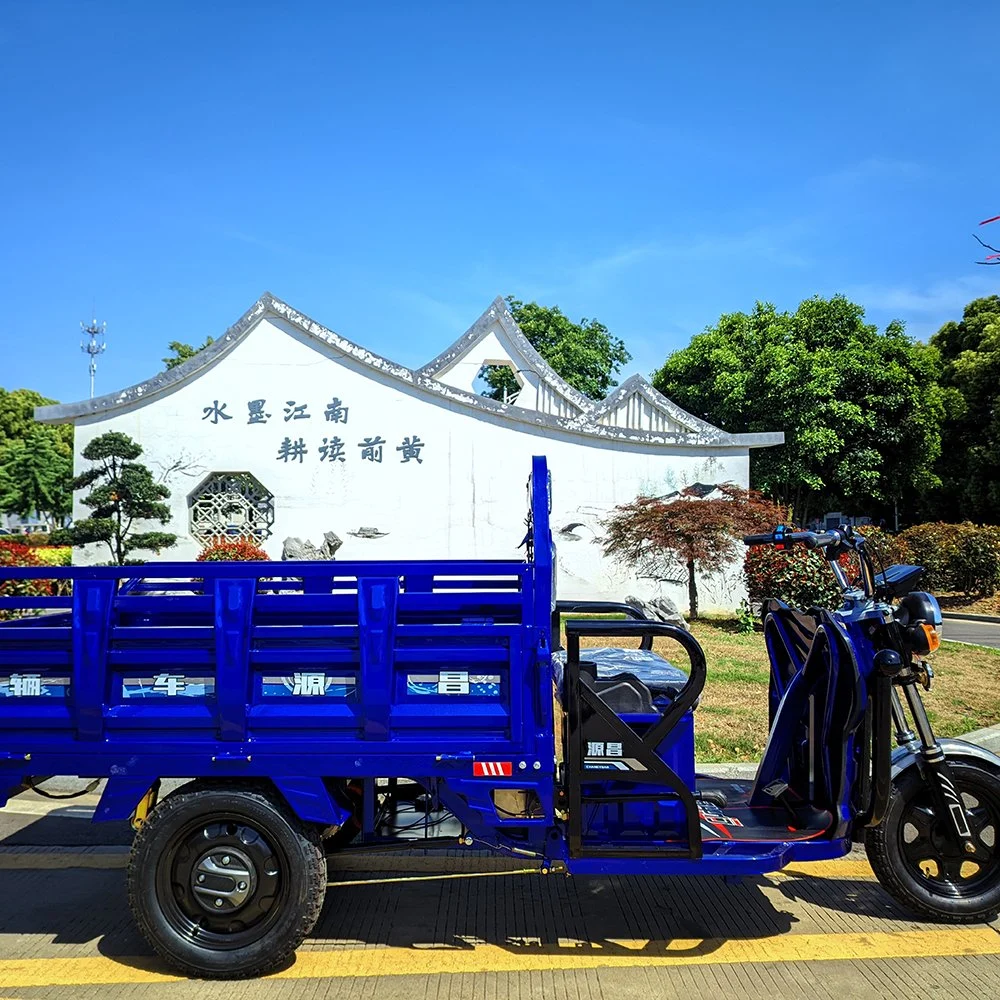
{"points": [[332, 447]]}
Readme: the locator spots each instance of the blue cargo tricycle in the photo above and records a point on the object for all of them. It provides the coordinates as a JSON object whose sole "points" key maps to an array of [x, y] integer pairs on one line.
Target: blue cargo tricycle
{"points": [[351, 706]]}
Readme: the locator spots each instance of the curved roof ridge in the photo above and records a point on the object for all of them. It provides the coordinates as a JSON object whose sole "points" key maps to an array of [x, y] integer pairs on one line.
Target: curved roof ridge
{"points": [[584, 423]]}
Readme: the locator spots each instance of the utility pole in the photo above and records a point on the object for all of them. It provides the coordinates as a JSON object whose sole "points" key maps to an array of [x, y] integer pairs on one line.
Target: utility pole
{"points": [[93, 348]]}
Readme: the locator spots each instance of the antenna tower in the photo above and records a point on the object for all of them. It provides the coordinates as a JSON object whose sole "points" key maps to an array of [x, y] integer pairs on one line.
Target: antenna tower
{"points": [[93, 347]]}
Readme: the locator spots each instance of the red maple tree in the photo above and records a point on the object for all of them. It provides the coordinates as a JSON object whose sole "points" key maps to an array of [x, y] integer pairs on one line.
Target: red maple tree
{"points": [[689, 531]]}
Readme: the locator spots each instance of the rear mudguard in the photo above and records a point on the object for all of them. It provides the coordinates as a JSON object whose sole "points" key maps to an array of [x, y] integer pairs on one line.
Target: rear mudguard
{"points": [[907, 756]]}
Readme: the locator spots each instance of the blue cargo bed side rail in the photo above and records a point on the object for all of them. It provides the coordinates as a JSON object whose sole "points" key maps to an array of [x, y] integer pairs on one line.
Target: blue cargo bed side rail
{"points": [[366, 668]]}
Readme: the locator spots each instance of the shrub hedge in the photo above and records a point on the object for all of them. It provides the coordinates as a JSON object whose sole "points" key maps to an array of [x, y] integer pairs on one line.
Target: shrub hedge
{"points": [[15, 554], [798, 576], [961, 557], [54, 555], [232, 550]]}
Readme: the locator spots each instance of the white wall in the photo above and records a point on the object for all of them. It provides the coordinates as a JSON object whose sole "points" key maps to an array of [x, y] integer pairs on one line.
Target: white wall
{"points": [[466, 498]]}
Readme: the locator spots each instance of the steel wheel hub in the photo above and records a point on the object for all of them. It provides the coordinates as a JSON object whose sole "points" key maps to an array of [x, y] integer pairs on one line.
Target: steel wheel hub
{"points": [[223, 879], [222, 883]]}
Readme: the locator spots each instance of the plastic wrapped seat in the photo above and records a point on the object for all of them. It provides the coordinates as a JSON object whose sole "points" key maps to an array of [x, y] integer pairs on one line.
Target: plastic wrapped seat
{"points": [[659, 675]]}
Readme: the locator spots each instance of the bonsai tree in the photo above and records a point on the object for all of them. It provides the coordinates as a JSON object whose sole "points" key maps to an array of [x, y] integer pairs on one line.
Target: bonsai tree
{"points": [[123, 493], [688, 530]]}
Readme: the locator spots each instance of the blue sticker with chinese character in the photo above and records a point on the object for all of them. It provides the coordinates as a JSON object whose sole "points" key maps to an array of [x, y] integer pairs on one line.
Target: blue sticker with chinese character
{"points": [[33, 685], [307, 684], [167, 685]]}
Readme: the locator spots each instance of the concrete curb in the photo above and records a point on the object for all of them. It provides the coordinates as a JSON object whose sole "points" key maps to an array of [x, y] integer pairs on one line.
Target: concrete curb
{"points": [[988, 738], [741, 772], [962, 616]]}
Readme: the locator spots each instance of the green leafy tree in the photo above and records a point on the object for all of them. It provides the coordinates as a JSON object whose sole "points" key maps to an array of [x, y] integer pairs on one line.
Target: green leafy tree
{"points": [[861, 408], [970, 463], [180, 352], [36, 460], [585, 354], [36, 477], [17, 419], [122, 492]]}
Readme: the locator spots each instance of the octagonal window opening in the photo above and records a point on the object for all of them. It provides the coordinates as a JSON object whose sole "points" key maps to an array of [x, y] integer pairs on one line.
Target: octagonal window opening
{"points": [[230, 505]]}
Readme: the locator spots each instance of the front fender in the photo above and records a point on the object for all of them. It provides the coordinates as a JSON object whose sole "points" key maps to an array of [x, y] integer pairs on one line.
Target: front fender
{"points": [[906, 756]]}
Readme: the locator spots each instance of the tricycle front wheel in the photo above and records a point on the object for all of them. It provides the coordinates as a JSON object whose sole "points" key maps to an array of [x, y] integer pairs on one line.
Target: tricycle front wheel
{"points": [[224, 881], [919, 863]]}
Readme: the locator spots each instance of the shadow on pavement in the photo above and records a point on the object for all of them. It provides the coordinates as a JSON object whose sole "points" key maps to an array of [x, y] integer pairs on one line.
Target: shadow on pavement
{"points": [[64, 826], [856, 897], [529, 914]]}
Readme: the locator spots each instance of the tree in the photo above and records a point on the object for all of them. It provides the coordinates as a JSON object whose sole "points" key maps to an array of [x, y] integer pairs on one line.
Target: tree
{"points": [[970, 463], [123, 493], [688, 531], [861, 409], [181, 352], [36, 477], [585, 354], [17, 419], [36, 460]]}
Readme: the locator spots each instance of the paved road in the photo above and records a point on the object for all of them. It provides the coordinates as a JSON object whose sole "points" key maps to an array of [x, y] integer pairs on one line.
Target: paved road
{"points": [[819, 931], [980, 633]]}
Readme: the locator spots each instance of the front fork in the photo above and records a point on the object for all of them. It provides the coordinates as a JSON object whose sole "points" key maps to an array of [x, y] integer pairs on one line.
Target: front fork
{"points": [[931, 760]]}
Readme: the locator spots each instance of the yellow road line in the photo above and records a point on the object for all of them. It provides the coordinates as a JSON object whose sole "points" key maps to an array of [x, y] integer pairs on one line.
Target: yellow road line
{"points": [[445, 959], [848, 868]]}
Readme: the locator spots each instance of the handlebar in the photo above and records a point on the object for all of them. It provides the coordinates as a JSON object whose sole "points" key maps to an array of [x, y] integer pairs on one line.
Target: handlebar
{"points": [[834, 543], [811, 539]]}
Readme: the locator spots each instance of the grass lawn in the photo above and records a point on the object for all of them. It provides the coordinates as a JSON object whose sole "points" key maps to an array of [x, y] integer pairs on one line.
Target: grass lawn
{"points": [[731, 722]]}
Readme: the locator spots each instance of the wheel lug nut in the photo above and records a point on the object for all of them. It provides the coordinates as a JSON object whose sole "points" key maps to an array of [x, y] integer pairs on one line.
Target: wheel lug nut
{"points": [[226, 859], [218, 902], [970, 848], [201, 878], [241, 886]]}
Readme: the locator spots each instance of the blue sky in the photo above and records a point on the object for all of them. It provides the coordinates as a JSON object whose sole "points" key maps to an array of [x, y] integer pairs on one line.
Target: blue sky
{"points": [[388, 169]]}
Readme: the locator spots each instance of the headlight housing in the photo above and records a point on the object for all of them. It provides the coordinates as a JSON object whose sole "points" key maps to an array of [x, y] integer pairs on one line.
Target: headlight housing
{"points": [[919, 615]]}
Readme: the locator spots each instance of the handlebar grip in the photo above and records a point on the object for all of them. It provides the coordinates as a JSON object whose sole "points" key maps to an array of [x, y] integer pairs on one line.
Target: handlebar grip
{"points": [[825, 538], [758, 539]]}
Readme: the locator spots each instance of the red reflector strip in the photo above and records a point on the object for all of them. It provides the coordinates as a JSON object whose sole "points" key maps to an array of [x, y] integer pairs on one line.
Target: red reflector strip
{"points": [[492, 768]]}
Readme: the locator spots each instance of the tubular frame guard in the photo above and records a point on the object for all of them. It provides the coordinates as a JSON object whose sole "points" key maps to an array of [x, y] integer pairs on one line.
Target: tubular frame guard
{"points": [[598, 608], [579, 695]]}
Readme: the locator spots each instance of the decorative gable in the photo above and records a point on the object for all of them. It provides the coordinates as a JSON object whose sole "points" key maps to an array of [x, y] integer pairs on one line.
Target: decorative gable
{"points": [[636, 405], [496, 339]]}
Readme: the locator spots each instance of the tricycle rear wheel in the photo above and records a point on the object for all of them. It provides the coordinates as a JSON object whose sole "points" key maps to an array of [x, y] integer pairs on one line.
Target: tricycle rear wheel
{"points": [[921, 866], [224, 881]]}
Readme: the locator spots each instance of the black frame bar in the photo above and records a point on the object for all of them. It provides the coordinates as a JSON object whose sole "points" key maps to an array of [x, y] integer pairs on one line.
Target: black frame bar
{"points": [[599, 608], [579, 695]]}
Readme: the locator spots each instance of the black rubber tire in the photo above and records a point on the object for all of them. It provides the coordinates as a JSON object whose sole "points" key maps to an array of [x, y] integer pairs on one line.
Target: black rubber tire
{"points": [[296, 907], [897, 877]]}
